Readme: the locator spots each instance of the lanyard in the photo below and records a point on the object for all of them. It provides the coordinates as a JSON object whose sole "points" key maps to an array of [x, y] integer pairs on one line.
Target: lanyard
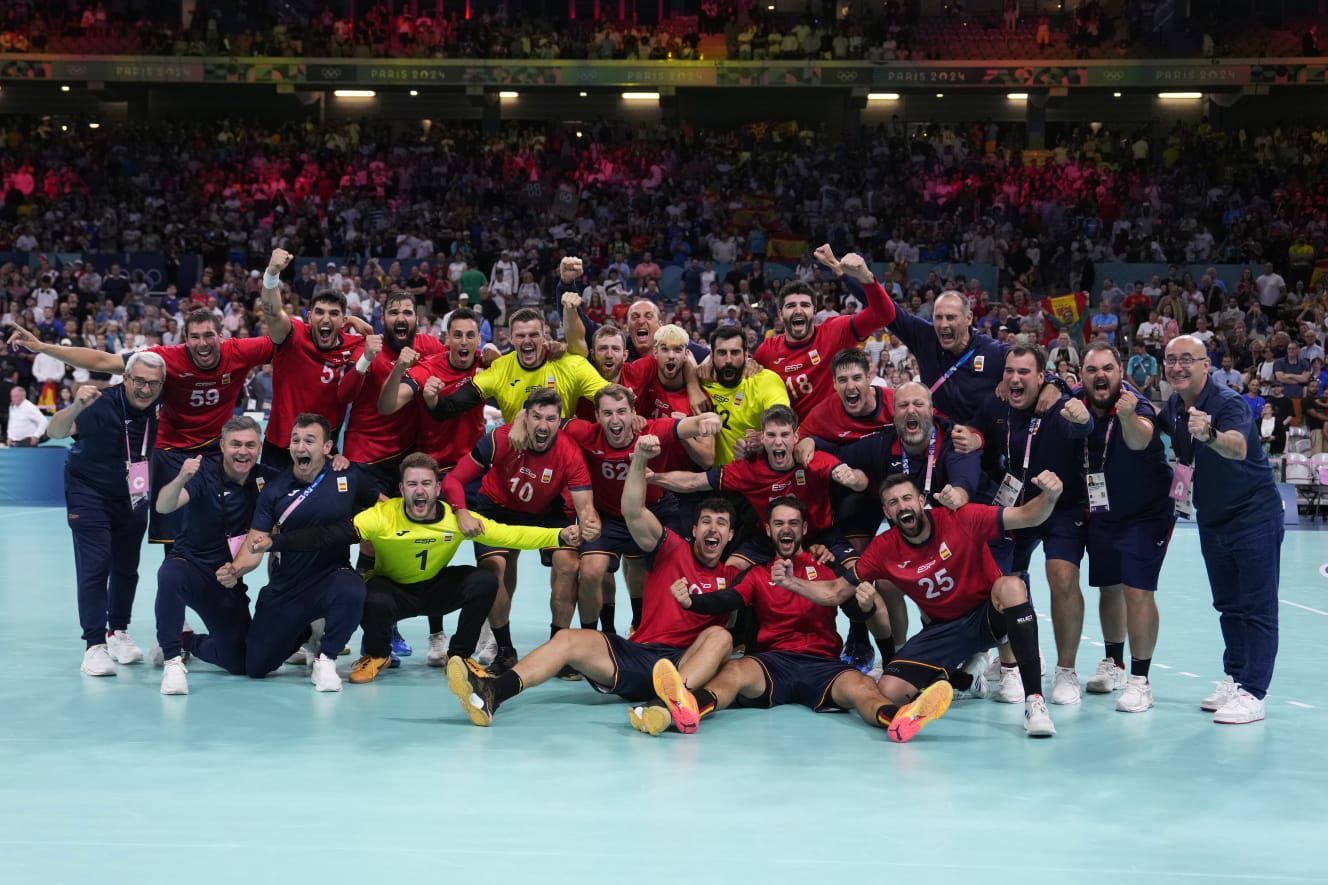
{"points": [[955, 368], [931, 460], [300, 500], [1106, 444], [129, 452], [1034, 425]]}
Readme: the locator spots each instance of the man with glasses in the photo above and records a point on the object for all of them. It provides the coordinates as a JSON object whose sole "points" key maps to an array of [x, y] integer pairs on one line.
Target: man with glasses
{"points": [[1222, 475], [106, 493]]}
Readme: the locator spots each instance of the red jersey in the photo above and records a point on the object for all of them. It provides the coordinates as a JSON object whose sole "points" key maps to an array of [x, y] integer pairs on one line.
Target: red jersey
{"points": [[952, 573], [828, 420], [760, 484], [663, 621], [608, 466], [373, 437], [196, 402], [653, 399], [527, 482], [805, 367], [447, 442], [789, 622], [307, 379]]}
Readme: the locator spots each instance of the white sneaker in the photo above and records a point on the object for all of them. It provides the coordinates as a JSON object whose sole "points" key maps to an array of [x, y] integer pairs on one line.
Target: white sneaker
{"points": [[173, 679], [122, 648], [1106, 678], [158, 657], [487, 648], [437, 656], [97, 662], [1037, 721], [1012, 686], [975, 666], [1242, 709], [1065, 687], [1137, 697], [993, 673], [1226, 690], [325, 676], [300, 658]]}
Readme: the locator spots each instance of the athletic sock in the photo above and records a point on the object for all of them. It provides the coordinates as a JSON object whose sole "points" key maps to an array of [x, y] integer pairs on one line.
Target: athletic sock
{"points": [[1139, 666], [886, 713], [435, 623], [887, 647], [506, 685], [1116, 651], [857, 634], [364, 563], [589, 625], [1021, 626], [606, 613], [961, 680], [637, 604], [705, 701], [553, 630], [502, 635]]}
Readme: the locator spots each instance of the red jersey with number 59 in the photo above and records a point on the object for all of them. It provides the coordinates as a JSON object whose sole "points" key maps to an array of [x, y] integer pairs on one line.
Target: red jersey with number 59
{"points": [[307, 379], [373, 437], [663, 621], [529, 481], [608, 466], [948, 576], [447, 442], [760, 484], [196, 402], [789, 622]]}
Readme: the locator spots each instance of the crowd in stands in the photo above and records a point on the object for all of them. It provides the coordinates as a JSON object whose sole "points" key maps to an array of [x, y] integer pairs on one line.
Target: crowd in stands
{"points": [[449, 213], [893, 31]]}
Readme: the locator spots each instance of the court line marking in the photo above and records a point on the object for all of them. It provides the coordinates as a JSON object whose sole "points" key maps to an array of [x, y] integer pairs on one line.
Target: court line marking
{"points": [[1302, 706], [1305, 607], [25, 512], [1188, 673], [1163, 666]]}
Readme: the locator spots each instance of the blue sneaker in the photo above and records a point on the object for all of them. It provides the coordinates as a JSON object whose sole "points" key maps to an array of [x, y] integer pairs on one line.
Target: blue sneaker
{"points": [[393, 661], [399, 645], [858, 654]]}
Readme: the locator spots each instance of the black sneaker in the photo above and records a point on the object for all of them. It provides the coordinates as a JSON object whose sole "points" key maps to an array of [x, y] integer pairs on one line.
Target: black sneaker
{"points": [[468, 681], [567, 674], [503, 661]]}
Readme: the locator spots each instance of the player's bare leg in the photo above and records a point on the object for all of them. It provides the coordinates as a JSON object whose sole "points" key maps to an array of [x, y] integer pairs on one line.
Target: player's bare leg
{"points": [[634, 573], [607, 605], [1110, 673], [901, 719], [675, 703], [503, 568]]}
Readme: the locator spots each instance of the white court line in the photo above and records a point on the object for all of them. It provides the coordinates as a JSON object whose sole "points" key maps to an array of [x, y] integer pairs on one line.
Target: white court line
{"points": [[1096, 643], [1305, 607], [1189, 674], [1302, 706], [30, 511], [1163, 666]]}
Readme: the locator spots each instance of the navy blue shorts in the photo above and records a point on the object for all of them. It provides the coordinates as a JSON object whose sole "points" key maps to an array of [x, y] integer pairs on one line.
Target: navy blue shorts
{"points": [[941, 647], [759, 549], [859, 515], [385, 475], [793, 678], [481, 505], [1063, 536], [1128, 551], [275, 456], [616, 540], [683, 519], [164, 528], [634, 667]]}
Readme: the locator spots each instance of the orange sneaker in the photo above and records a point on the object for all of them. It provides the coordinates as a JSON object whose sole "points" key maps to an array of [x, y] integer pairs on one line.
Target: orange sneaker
{"points": [[930, 704], [680, 702], [366, 669]]}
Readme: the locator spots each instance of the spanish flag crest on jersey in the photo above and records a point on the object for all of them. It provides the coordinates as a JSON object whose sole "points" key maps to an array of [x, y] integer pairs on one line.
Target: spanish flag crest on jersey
{"points": [[547, 475], [811, 573], [800, 477], [342, 484], [945, 551], [737, 399], [550, 380], [815, 356], [719, 583]]}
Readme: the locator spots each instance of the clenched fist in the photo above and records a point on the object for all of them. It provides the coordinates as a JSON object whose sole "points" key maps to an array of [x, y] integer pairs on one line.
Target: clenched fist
{"points": [[570, 270], [278, 262], [1075, 411]]}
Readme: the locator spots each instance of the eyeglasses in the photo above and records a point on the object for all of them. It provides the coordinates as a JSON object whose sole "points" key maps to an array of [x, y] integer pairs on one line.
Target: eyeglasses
{"points": [[145, 383], [1184, 361]]}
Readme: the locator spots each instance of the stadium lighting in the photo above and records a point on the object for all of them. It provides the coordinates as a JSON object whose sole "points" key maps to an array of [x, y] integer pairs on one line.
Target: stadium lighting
{"points": [[414, 92], [882, 96], [578, 133], [354, 93], [508, 94], [1180, 96], [1115, 95], [64, 88], [94, 125], [583, 94], [940, 95], [1016, 96], [640, 96]]}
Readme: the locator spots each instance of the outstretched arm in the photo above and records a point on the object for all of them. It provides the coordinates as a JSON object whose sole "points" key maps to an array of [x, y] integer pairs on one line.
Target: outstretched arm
{"points": [[820, 592], [78, 357], [1036, 511], [274, 312], [644, 526]]}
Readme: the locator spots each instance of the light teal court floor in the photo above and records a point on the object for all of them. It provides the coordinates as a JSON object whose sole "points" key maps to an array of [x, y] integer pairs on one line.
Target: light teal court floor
{"points": [[105, 780]]}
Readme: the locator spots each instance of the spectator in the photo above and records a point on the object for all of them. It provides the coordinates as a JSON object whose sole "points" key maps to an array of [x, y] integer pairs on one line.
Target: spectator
{"points": [[26, 424], [1227, 376], [1142, 370]]}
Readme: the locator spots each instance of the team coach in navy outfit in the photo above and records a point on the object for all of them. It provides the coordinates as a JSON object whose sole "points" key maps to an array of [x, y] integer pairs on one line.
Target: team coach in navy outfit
{"points": [[1223, 473]]}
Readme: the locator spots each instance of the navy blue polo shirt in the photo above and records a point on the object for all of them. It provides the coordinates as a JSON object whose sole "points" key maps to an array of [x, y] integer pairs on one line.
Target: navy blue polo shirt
{"points": [[1058, 446], [882, 454], [338, 496], [1225, 491], [961, 397], [1137, 482], [218, 509], [97, 458]]}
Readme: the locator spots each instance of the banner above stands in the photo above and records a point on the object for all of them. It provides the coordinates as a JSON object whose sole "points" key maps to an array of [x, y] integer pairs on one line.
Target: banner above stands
{"points": [[1188, 73]]}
